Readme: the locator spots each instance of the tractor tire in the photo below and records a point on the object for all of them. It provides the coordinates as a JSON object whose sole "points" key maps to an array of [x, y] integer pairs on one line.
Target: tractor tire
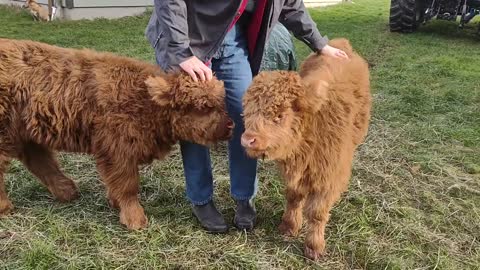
{"points": [[406, 15]]}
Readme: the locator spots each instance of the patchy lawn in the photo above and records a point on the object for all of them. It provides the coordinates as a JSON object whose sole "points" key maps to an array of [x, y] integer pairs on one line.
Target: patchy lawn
{"points": [[413, 201]]}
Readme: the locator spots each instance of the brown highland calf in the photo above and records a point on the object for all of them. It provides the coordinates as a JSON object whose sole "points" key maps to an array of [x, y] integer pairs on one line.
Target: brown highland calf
{"points": [[311, 124], [122, 111]]}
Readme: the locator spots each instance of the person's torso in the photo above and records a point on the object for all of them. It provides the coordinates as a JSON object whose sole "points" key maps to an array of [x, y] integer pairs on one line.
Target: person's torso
{"points": [[208, 22]]}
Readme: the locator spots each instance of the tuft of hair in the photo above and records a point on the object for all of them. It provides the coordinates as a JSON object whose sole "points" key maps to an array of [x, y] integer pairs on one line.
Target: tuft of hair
{"points": [[342, 44]]}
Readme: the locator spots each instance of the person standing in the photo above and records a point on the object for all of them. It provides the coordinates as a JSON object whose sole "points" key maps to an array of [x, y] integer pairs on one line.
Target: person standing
{"points": [[226, 37]]}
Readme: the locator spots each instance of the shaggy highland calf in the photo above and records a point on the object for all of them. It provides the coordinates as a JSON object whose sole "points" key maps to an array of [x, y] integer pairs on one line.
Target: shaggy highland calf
{"points": [[122, 111], [311, 124]]}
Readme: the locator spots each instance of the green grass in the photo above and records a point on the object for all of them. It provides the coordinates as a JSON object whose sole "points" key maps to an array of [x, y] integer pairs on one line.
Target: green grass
{"points": [[413, 201]]}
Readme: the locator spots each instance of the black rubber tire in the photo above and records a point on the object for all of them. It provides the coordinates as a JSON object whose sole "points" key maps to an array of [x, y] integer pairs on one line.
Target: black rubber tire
{"points": [[406, 15]]}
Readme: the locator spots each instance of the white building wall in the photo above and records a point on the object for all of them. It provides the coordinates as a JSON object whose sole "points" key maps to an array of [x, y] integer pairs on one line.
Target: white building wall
{"points": [[90, 9]]}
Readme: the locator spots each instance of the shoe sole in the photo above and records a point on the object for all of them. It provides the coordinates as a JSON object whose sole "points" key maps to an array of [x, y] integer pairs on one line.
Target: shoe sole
{"points": [[210, 231], [215, 231], [247, 228]]}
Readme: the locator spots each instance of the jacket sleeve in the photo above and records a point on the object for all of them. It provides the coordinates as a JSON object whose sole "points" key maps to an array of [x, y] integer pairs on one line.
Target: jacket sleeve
{"points": [[295, 18], [172, 17]]}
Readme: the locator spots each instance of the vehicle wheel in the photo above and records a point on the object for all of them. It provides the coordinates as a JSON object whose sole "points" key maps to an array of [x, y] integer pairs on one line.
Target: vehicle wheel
{"points": [[406, 15]]}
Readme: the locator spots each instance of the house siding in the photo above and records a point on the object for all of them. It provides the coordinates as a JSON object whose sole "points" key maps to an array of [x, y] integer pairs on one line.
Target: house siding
{"points": [[90, 9]]}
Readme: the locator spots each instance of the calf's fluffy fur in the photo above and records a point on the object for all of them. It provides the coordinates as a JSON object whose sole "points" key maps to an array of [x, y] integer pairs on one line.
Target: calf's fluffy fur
{"points": [[311, 124], [122, 111]]}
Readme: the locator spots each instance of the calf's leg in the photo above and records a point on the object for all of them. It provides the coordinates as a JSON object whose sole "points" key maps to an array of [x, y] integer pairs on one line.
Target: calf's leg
{"points": [[41, 162], [318, 206], [5, 205], [324, 193], [122, 183], [293, 217]]}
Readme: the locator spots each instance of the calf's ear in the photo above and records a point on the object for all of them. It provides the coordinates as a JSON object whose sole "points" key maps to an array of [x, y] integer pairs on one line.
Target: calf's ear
{"points": [[314, 96], [160, 90]]}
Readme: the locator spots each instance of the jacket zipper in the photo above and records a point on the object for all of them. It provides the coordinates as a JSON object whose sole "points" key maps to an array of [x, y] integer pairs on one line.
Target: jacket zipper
{"points": [[158, 39]]}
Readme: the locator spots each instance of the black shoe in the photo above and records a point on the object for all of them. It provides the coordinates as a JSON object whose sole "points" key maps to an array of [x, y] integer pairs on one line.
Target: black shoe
{"points": [[245, 215], [209, 217]]}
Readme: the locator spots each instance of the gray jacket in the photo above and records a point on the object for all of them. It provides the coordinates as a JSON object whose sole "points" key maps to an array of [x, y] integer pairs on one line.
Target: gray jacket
{"points": [[179, 29]]}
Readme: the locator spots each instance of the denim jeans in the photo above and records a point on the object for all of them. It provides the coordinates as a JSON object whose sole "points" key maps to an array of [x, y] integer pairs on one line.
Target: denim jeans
{"points": [[230, 64]]}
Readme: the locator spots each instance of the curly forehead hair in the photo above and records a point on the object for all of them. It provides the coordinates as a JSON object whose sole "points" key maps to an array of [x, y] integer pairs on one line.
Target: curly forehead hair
{"points": [[204, 92], [179, 90], [269, 92]]}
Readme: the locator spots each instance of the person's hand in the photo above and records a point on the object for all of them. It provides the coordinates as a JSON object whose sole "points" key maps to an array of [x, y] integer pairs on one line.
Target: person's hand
{"points": [[334, 52], [194, 67]]}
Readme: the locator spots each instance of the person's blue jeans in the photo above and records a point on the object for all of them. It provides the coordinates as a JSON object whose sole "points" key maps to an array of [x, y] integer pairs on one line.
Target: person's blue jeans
{"points": [[230, 64]]}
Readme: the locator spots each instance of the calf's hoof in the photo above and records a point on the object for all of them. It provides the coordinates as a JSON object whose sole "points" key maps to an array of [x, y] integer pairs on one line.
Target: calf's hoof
{"points": [[314, 254], [288, 229], [5, 207], [113, 203], [134, 219], [66, 191]]}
